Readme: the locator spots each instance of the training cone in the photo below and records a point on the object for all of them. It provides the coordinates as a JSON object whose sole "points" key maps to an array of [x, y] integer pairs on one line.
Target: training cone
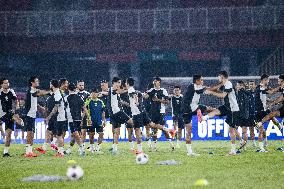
{"points": [[201, 182], [71, 162]]}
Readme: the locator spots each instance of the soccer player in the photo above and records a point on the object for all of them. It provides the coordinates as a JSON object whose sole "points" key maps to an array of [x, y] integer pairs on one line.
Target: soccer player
{"points": [[94, 108], [104, 95], [31, 106], [60, 110], [159, 98], [84, 95], [146, 109], [229, 109], [18, 127], [251, 119], [139, 119], [273, 114], [176, 104], [8, 106], [280, 111], [63, 83], [261, 108], [191, 107], [74, 110], [125, 102], [117, 115], [50, 133], [243, 98]]}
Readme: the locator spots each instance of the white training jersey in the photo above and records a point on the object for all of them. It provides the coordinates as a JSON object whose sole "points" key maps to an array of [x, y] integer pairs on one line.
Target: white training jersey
{"points": [[2, 113], [230, 99], [114, 101], [133, 96], [198, 90], [61, 106], [68, 112], [31, 102]]}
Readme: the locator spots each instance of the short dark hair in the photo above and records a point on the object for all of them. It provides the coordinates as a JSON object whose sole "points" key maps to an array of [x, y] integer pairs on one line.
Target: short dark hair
{"points": [[177, 87], [130, 81], [241, 82], [3, 79], [62, 81], [72, 87], [80, 80], [224, 74], [157, 79], [115, 79], [251, 81], [32, 79], [196, 77], [95, 90], [264, 76], [281, 76], [54, 83], [150, 86]]}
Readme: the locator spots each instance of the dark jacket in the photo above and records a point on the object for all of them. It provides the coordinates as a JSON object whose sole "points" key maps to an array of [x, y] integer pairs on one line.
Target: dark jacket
{"points": [[243, 98]]}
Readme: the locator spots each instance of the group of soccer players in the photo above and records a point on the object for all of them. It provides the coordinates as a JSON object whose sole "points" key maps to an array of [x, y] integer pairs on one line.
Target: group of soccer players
{"points": [[70, 106]]}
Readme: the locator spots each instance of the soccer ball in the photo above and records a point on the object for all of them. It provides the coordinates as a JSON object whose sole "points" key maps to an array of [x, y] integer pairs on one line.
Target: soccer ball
{"points": [[142, 159], [75, 172]]}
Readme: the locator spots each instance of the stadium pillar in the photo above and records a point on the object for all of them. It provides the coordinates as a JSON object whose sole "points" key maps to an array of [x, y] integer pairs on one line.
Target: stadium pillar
{"points": [[226, 63]]}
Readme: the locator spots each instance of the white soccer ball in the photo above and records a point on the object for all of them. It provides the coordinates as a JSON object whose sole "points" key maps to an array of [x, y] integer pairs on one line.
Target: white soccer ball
{"points": [[75, 172], [142, 159]]}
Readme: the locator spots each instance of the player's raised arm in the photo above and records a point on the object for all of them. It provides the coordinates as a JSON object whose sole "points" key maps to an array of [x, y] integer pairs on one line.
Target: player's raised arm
{"points": [[41, 108], [103, 93], [53, 112], [146, 95], [214, 88], [42, 92], [15, 102], [276, 101], [273, 90], [217, 94]]}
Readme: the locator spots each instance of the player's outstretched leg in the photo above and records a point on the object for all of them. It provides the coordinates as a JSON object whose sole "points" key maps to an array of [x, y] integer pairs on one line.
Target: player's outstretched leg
{"points": [[252, 136], [179, 136], [71, 144], [115, 140], [7, 143], [130, 139], [138, 140], [188, 140], [100, 140], [233, 141], [92, 141], [148, 136]]}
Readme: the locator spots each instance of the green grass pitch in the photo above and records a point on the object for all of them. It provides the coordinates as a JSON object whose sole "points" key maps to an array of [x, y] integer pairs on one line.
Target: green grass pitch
{"points": [[247, 170]]}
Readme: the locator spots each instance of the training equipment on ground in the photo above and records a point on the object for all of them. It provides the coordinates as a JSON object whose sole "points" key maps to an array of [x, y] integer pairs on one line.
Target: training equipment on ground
{"points": [[201, 182], [168, 162], [44, 178], [71, 161], [142, 159], [75, 172]]}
